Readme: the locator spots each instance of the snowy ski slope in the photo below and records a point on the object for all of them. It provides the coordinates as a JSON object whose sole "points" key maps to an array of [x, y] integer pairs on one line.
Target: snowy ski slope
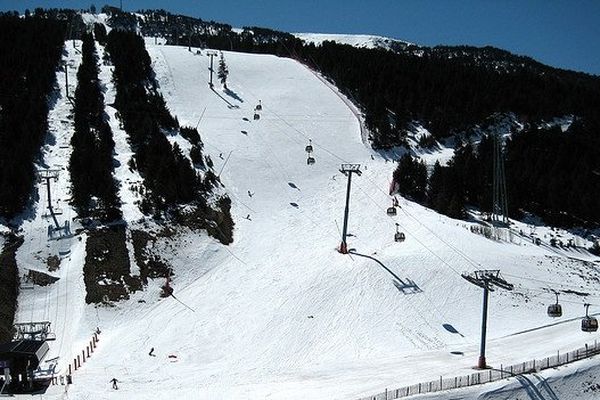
{"points": [[279, 313], [365, 41]]}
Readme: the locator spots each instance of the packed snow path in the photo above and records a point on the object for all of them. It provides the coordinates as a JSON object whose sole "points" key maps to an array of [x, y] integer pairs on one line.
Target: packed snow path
{"points": [[279, 313], [61, 303]]}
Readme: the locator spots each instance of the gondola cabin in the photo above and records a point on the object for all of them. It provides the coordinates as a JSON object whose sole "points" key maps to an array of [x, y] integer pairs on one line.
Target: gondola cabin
{"points": [[310, 160], [399, 237], [589, 324], [256, 116], [391, 211], [555, 310]]}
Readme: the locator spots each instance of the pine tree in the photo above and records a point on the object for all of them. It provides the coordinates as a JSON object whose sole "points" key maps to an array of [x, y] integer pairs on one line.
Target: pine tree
{"points": [[223, 71], [411, 178]]}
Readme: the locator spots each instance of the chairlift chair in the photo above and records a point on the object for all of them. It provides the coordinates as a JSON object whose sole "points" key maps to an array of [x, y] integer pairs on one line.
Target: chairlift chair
{"points": [[309, 148], [589, 324], [392, 210], [555, 310], [310, 160], [256, 116], [258, 106], [399, 236]]}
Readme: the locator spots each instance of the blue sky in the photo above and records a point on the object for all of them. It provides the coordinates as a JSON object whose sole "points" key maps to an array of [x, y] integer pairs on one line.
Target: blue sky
{"points": [[560, 33]]}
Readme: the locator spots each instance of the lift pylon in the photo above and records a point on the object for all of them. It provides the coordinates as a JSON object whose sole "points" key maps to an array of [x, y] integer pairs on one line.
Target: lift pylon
{"points": [[348, 170], [487, 280]]}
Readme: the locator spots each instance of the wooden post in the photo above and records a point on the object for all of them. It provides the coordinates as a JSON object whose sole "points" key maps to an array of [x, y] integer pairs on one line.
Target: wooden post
{"points": [[75, 362], [419, 388], [87, 349], [69, 369], [83, 355], [441, 383]]}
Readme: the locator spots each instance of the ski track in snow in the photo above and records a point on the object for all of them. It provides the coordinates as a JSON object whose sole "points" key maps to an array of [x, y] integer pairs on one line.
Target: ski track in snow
{"points": [[279, 313]]}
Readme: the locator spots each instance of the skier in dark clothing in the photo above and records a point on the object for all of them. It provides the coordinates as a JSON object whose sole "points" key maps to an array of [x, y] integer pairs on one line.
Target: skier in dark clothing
{"points": [[151, 352], [114, 382]]}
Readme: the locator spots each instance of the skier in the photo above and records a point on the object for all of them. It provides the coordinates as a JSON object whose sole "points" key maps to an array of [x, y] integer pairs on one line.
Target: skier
{"points": [[151, 352], [221, 156], [248, 217], [114, 382], [250, 194]]}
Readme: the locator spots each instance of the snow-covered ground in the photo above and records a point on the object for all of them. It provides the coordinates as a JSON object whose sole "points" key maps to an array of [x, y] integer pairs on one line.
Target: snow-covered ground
{"points": [[280, 313], [366, 41], [580, 381]]}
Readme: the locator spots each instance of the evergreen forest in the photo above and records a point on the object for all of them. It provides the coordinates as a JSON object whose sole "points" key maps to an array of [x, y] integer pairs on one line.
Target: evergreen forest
{"points": [[30, 51], [91, 166]]}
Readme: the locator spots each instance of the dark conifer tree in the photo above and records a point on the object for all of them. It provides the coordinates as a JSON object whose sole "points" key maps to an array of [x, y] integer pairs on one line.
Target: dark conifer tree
{"points": [[223, 71], [411, 178]]}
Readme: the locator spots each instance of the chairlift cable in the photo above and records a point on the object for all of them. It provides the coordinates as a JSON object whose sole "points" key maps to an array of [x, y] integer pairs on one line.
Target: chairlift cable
{"points": [[544, 281], [413, 236]]}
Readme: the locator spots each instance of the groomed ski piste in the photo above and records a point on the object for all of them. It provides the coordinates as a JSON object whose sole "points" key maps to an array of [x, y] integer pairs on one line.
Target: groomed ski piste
{"points": [[280, 314]]}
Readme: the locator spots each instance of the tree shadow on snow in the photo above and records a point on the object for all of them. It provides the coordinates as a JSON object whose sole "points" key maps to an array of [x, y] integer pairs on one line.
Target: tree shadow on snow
{"points": [[233, 95]]}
